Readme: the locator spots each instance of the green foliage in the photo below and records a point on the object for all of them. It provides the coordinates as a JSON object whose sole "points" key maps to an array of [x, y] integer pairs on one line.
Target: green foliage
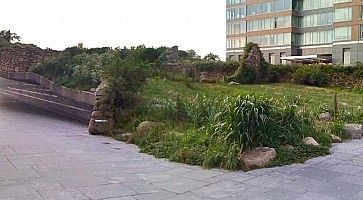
{"points": [[211, 57], [299, 154], [253, 66], [73, 70], [311, 75], [8, 36], [216, 130], [280, 73], [124, 77], [216, 66]]}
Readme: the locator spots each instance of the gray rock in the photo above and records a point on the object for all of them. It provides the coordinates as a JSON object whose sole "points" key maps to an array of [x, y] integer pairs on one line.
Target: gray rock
{"points": [[145, 127], [100, 128], [326, 117], [336, 139], [257, 158], [310, 141], [355, 131]]}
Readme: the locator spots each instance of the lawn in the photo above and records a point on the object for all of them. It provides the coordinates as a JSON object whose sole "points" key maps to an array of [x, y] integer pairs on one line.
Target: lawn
{"points": [[313, 97], [212, 130]]}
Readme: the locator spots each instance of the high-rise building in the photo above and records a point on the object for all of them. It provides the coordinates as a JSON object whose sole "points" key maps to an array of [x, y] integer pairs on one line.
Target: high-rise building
{"points": [[305, 31]]}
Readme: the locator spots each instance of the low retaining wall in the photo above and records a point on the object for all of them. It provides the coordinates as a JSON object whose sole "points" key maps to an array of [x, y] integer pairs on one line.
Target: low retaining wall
{"points": [[76, 95]]}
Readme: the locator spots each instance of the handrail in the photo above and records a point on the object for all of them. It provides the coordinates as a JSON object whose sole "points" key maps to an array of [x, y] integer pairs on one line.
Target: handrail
{"points": [[76, 95]]}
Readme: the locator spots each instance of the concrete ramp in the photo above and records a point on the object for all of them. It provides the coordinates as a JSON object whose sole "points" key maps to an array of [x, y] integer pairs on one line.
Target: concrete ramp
{"points": [[44, 98]]}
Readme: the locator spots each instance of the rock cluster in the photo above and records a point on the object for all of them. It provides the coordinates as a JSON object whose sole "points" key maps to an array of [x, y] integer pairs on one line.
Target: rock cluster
{"points": [[103, 114], [19, 58]]}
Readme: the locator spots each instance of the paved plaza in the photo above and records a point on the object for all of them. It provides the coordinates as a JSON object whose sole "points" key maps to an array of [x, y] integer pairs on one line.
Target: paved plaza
{"points": [[43, 156]]}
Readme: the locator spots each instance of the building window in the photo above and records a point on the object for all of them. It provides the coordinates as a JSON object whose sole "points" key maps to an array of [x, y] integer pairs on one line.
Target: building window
{"points": [[346, 56], [343, 33], [343, 14], [361, 32], [283, 54], [341, 1], [230, 57], [271, 58]]}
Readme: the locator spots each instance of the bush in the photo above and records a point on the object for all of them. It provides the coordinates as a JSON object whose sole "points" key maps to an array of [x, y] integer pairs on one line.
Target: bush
{"points": [[311, 75], [79, 71], [124, 77], [280, 73]]}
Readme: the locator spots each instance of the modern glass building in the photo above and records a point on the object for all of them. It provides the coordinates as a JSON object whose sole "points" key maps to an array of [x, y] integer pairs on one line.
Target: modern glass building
{"points": [[305, 31]]}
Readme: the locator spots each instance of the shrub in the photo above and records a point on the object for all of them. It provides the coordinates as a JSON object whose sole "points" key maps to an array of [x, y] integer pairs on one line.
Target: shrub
{"points": [[280, 73], [311, 75], [79, 71], [124, 78]]}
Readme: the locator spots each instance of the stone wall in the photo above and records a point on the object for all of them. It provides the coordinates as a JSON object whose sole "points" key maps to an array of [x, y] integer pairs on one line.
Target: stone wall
{"points": [[103, 114], [19, 58]]}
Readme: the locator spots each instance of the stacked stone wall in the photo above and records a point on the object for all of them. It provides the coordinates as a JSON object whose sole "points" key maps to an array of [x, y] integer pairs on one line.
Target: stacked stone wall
{"points": [[20, 58]]}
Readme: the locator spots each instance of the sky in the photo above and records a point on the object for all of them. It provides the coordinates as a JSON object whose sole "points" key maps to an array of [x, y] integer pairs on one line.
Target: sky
{"points": [[57, 24]]}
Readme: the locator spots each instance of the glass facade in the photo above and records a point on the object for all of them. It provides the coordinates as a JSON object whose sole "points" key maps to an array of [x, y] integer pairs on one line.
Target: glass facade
{"points": [[271, 40], [268, 7], [236, 13], [237, 25], [314, 4], [269, 23], [321, 19], [343, 14], [320, 37], [234, 2], [236, 28], [236, 43], [343, 33]]}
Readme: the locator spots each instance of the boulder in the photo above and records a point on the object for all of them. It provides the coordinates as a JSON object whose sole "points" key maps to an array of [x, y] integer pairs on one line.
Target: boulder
{"points": [[310, 141], [145, 127], [100, 127], [325, 117], [354, 131], [336, 139], [233, 83], [257, 158]]}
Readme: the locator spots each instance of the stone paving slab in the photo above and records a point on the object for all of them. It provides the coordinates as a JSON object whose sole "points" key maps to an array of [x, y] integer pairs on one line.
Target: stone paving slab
{"points": [[43, 156]]}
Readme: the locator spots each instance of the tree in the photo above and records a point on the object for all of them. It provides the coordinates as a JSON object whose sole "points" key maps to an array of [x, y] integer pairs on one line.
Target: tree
{"points": [[9, 36], [211, 57]]}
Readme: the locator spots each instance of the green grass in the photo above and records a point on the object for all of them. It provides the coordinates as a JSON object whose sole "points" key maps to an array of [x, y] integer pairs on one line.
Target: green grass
{"points": [[202, 135], [314, 97]]}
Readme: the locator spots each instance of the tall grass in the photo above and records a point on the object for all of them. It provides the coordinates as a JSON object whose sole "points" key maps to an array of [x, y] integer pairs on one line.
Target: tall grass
{"points": [[216, 130]]}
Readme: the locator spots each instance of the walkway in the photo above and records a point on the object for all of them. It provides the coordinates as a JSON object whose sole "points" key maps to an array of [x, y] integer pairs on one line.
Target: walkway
{"points": [[46, 157]]}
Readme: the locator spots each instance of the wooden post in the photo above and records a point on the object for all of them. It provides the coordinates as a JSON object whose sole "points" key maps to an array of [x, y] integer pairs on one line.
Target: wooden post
{"points": [[335, 105]]}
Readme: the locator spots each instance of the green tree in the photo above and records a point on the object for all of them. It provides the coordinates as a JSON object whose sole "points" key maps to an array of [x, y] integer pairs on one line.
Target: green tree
{"points": [[211, 57], [8, 36]]}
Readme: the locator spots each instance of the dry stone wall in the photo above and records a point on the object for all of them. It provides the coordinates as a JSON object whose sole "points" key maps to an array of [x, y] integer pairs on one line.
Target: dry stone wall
{"points": [[19, 58], [102, 118]]}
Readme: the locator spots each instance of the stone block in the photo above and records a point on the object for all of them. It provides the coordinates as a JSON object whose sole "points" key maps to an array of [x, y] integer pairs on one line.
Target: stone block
{"points": [[354, 131]]}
